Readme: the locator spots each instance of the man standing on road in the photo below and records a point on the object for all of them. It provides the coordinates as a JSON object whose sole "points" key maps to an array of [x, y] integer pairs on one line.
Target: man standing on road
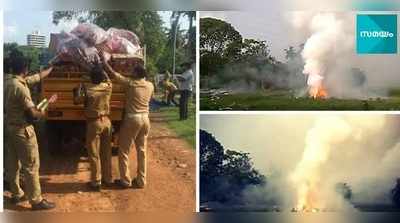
{"points": [[186, 88], [24, 152], [96, 98], [135, 125]]}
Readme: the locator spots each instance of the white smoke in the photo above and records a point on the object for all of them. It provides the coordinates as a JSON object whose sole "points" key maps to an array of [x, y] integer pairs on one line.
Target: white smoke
{"points": [[328, 48], [361, 150], [333, 146]]}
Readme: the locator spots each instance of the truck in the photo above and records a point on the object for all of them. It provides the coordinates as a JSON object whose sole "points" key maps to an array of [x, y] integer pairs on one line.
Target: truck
{"points": [[65, 121]]}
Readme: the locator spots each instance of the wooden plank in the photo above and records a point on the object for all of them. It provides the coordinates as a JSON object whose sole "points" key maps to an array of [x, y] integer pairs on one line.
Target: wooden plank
{"points": [[70, 105], [68, 95], [69, 84], [78, 115]]}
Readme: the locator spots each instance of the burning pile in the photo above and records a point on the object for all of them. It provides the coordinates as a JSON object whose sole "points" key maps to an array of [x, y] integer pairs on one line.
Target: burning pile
{"points": [[312, 194], [328, 41]]}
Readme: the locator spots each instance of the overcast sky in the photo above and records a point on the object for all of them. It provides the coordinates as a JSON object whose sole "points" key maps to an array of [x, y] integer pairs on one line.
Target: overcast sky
{"points": [[272, 26], [265, 137]]}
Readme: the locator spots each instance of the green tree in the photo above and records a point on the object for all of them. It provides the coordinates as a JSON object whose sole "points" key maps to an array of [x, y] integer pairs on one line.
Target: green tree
{"points": [[146, 24], [395, 193], [255, 51], [239, 167], [32, 53], [224, 174], [219, 37], [290, 53], [220, 43]]}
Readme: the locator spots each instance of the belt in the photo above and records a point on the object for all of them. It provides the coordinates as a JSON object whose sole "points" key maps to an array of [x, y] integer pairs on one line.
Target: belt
{"points": [[135, 115]]}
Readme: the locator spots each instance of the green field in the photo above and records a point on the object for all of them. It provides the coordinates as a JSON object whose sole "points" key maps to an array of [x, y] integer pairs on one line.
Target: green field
{"points": [[184, 129], [284, 101]]}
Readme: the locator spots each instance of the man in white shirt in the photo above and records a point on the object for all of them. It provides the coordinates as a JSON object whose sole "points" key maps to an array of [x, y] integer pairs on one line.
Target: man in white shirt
{"points": [[186, 88]]}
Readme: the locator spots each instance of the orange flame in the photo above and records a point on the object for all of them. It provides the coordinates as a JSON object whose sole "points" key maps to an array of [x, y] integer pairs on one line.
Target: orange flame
{"points": [[318, 92]]}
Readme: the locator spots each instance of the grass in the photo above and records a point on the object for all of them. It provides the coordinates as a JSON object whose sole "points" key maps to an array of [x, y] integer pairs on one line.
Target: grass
{"points": [[184, 129], [281, 101]]}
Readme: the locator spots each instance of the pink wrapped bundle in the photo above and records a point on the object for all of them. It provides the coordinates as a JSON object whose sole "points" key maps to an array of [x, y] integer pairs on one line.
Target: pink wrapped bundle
{"points": [[120, 45], [90, 33], [69, 46], [83, 44], [132, 37]]}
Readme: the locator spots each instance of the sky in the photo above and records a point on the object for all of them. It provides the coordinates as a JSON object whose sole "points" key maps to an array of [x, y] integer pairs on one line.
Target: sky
{"points": [[272, 27], [257, 134], [18, 24], [276, 28]]}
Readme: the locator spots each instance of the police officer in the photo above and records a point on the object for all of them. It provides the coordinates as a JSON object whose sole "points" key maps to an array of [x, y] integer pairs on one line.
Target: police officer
{"points": [[135, 125], [98, 127], [170, 90], [24, 152]]}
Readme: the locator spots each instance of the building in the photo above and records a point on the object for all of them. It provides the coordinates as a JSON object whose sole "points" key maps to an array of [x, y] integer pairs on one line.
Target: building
{"points": [[36, 40]]}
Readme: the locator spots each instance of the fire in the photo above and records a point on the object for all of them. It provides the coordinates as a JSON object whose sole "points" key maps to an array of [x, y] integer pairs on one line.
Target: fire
{"points": [[318, 92], [307, 198]]}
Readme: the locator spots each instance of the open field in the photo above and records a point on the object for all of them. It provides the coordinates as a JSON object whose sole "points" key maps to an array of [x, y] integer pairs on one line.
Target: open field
{"points": [[281, 100]]}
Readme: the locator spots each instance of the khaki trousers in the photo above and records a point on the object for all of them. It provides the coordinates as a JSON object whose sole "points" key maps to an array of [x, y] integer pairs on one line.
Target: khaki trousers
{"points": [[134, 130], [98, 144], [24, 156]]}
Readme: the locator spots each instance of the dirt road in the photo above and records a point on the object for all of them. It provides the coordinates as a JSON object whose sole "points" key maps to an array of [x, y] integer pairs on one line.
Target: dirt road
{"points": [[171, 179]]}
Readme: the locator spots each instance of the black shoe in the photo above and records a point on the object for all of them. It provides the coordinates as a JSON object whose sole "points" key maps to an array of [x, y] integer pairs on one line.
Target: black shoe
{"points": [[92, 187], [135, 184], [43, 205], [106, 184], [121, 184], [16, 200]]}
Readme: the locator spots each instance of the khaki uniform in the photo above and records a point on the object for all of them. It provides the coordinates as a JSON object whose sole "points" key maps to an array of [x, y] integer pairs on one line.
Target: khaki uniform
{"points": [[135, 127], [99, 131], [169, 88], [24, 153]]}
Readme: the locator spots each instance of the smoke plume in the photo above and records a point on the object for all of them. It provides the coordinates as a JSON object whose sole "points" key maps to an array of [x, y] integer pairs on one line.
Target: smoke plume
{"points": [[303, 168]]}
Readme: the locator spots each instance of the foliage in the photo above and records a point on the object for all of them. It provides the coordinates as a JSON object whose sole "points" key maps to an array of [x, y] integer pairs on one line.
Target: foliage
{"points": [[396, 193], [220, 43], [253, 50], [285, 100], [225, 57], [224, 174], [36, 56], [147, 25]]}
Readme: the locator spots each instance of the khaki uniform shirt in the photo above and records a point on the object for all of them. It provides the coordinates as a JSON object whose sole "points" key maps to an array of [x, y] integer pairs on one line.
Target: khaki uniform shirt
{"points": [[169, 86], [138, 94], [17, 98], [98, 98]]}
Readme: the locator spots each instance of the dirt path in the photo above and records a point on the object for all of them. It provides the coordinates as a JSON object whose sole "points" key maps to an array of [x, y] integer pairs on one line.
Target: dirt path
{"points": [[171, 179]]}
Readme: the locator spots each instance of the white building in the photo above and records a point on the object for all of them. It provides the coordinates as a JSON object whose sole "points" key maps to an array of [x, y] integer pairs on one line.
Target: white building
{"points": [[36, 40]]}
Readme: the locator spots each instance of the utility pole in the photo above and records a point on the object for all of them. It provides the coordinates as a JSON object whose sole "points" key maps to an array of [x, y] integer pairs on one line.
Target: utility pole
{"points": [[174, 49]]}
